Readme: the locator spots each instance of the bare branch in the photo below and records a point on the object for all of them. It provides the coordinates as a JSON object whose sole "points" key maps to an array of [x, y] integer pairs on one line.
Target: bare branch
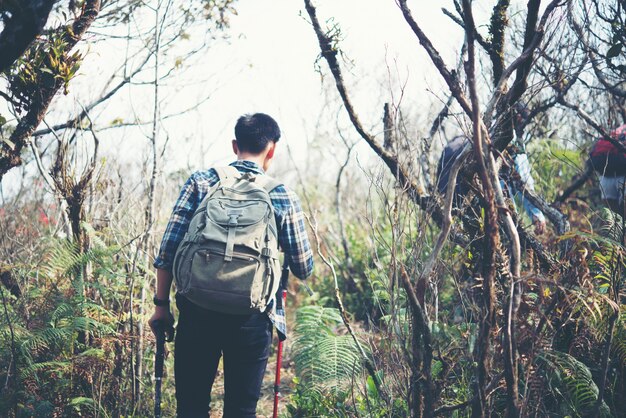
{"points": [[613, 88], [576, 183], [448, 76], [74, 122], [330, 55], [492, 238], [524, 59]]}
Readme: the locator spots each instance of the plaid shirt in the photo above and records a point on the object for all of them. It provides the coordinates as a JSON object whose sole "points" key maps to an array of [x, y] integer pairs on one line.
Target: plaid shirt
{"points": [[292, 235]]}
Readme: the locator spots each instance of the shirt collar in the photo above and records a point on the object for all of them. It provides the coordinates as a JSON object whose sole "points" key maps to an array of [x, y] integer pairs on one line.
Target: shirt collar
{"points": [[249, 166]]}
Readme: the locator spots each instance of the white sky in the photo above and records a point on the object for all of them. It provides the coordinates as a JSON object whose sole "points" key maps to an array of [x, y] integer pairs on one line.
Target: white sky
{"points": [[269, 66], [271, 60]]}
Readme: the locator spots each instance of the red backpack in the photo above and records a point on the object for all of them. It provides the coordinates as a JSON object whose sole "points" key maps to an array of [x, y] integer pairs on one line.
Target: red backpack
{"points": [[606, 158]]}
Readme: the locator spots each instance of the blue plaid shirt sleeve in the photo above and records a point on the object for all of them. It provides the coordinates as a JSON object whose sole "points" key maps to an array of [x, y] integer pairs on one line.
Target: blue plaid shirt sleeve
{"points": [[177, 225], [293, 237], [191, 194]]}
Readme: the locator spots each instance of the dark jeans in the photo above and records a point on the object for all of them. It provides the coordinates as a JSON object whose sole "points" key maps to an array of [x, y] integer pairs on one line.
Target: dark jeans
{"points": [[202, 337]]}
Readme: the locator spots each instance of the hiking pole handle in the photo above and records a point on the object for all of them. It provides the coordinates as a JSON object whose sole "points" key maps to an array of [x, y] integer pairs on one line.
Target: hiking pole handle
{"points": [[284, 278], [284, 275], [159, 360]]}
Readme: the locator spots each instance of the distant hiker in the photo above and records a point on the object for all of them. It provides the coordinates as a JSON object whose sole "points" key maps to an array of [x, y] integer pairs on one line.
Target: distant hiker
{"points": [[452, 151], [221, 245], [610, 164]]}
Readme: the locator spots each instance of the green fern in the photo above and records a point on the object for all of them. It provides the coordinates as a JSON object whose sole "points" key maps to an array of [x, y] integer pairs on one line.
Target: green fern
{"points": [[611, 225], [571, 382], [51, 345], [47, 366], [82, 404], [324, 360], [618, 346]]}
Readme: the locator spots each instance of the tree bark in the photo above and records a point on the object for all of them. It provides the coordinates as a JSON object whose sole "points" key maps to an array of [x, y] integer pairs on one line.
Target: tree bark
{"points": [[491, 242], [10, 152], [26, 20]]}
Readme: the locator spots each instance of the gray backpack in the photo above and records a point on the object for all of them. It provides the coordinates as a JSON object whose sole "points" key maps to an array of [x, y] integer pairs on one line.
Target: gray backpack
{"points": [[228, 260]]}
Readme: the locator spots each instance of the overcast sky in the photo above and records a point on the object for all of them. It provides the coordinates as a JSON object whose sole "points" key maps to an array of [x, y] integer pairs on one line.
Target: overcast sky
{"points": [[268, 65]]}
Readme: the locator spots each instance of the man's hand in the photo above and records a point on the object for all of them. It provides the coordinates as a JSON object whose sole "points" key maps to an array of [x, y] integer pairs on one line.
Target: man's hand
{"points": [[162, 321], [540, 226]]}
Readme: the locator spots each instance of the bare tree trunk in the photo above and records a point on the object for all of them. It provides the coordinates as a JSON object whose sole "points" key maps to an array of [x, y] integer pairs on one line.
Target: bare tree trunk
{"points": [[149, 211], [491, 241]]}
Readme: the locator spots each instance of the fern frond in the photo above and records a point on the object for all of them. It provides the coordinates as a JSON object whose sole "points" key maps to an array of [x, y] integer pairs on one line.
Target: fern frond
{"points": [[324, 360], [31, 370], [94, 237], [46, 339], [86, 406], [573, 382], [64, 258], [611, 225], [63, 310], [618, 345]]}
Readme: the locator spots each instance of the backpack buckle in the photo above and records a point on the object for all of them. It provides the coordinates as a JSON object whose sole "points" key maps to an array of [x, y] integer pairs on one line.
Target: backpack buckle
{"points": [[266, 252], [249, 176], [233, 216]]}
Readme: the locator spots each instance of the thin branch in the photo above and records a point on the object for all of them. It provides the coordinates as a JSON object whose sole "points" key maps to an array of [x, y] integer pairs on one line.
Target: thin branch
{"points": [[443, 114], [491, 241], [577, 183], [613, 88], [448, 76], [479, 38], [524, 58], [594, 124], [80, 117], [330, 55], [447, 211]]}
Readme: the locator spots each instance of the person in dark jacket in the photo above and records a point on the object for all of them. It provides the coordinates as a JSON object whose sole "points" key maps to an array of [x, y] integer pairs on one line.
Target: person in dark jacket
{"points": [[453, 150], [610, 164]]}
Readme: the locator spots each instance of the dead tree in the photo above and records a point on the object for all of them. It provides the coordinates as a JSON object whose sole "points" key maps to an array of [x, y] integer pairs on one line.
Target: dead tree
{"points": [[492, 131]]}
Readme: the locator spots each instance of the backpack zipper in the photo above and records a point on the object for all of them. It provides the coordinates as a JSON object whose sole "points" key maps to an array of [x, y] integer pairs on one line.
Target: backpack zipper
{"points": [[240, 256]]}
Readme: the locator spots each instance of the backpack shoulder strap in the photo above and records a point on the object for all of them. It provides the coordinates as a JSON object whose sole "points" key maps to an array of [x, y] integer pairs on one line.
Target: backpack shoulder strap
{"points": [[268, 183], [227, 173]]}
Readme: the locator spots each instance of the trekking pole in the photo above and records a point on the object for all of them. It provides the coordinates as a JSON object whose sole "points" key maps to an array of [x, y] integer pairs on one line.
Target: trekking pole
{"points": [[284, 277], [162, 335], [158, 368]]}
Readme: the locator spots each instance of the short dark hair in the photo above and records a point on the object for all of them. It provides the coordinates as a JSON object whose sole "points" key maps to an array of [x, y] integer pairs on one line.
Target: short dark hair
{"points": [[254, 132]]}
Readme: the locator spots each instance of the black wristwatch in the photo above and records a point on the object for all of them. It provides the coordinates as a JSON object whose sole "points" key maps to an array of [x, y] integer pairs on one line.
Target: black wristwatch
{"points": [[160, 302]]}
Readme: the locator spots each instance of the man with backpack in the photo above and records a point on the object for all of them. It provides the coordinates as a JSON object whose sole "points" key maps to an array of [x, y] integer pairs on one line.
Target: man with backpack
{"points": [[610, 164], [221, 246]]}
